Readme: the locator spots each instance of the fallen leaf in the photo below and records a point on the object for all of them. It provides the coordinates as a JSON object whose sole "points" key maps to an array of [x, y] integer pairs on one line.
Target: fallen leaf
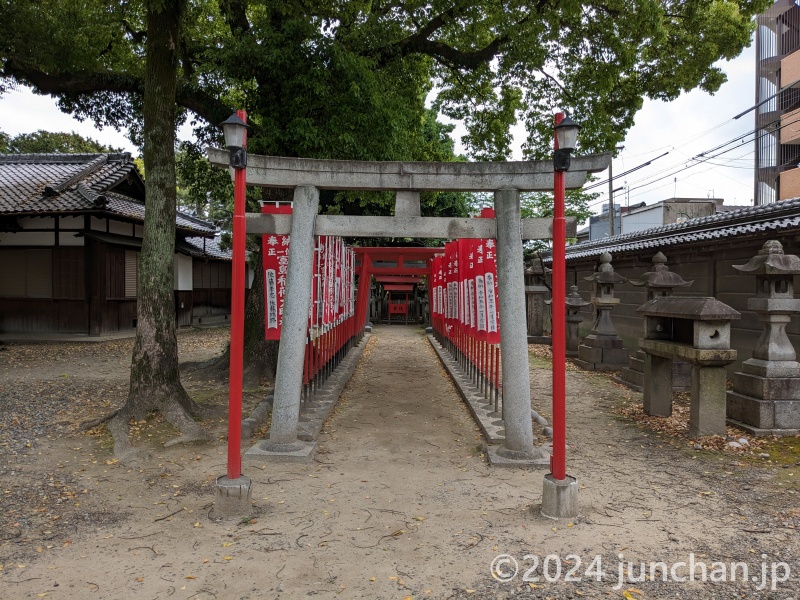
{"points": [[227, 558]]}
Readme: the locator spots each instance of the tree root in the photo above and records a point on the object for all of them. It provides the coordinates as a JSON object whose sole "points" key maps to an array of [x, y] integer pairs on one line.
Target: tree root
{"points": [[187, 439], [175, 414], [92, 423]]}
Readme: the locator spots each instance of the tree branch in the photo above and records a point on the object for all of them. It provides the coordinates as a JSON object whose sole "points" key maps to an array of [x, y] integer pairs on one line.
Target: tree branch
{"points": [[203, 104], [235, 14], [419, 43]]}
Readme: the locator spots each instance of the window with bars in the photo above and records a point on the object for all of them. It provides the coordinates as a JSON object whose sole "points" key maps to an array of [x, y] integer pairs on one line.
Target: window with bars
{"points": [[122, 268]]}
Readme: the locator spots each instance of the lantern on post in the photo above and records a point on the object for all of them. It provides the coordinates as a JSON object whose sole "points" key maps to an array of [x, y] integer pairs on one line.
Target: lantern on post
{"points": [[560, 493], [233, 491], [235, 131]]}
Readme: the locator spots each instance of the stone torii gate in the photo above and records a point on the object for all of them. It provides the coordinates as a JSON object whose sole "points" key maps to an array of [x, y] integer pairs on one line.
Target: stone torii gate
{"points": [[307, 176]]}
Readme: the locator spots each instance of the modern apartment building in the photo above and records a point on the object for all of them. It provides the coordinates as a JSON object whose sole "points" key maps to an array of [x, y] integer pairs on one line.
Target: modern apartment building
{"points": [[777, 155]]}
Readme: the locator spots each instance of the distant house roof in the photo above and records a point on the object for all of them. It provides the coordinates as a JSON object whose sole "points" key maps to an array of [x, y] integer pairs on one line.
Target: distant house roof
{"points": [[778, 217], [101, 184], [200, 247]]}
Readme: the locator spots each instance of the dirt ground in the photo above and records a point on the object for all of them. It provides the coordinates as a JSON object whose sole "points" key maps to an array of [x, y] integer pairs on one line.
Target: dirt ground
{"points": [[399, 502]]}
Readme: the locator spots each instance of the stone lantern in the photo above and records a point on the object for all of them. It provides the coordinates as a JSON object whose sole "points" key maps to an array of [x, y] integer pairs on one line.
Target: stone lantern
{"points": [[766, 393], [536, 290], [697, 331], [574, 305], [602, 349], [659, 281]]}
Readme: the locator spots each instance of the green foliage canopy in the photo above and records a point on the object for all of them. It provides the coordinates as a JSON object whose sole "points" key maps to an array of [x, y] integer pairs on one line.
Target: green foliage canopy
{"points": [[350, 79], [48, 142]]}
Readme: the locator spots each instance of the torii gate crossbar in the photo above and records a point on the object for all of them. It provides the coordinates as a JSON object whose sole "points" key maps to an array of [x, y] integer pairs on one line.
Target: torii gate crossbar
{"points": [[307, 176]]}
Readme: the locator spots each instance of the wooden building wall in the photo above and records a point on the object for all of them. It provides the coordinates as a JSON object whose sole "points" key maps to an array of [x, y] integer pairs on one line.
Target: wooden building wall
{"points": [[52, 280]]}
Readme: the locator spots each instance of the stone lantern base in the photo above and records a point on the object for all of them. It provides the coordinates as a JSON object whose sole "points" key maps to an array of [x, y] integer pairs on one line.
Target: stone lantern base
{"points": [[633, 374], [602, 353], [765, 405]]}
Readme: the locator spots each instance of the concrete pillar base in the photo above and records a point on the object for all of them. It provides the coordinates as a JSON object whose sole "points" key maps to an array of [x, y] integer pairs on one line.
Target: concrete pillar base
{"points": [[297, 452], [657, 385], [707, 410], [560, 498], [500, 456], [232, 497]]}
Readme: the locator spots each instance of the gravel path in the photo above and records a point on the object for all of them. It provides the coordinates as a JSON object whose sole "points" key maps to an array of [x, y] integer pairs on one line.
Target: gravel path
{"points": [[399, 502]]}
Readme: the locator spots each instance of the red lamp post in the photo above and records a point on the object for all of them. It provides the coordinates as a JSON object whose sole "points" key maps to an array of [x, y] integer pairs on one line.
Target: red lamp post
{"points": [[566, 132], [235, 129]]}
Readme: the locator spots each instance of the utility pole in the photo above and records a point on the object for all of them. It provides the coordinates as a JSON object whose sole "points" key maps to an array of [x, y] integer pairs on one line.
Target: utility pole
{"points": [[610, 199], [611, 190]]}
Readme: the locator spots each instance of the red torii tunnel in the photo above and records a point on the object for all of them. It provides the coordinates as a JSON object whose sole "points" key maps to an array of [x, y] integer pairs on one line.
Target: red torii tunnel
{"points": [[393, 266]]}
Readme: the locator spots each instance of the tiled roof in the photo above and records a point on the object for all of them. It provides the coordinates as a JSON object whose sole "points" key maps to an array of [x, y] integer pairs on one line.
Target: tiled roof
{"points": [[76, 183], [752, 220], [200, 247]]}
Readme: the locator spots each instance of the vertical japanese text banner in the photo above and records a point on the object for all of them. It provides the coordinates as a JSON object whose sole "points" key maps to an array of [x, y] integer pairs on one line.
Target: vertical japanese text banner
{"points": [[275, 262]]}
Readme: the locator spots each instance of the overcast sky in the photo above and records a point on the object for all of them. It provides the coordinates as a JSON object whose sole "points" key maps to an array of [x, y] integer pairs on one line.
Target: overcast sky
{"points": [[694, 123]]}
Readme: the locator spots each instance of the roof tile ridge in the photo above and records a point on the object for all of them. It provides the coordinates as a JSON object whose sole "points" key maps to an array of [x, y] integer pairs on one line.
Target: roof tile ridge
{"points": [[91, 167], [198, 220], [33, 158]]}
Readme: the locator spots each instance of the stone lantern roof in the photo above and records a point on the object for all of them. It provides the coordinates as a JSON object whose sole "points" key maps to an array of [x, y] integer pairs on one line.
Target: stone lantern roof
{"points": [[574, 299], [537, 268], [771, 260], [606, 273], [660, 278]]}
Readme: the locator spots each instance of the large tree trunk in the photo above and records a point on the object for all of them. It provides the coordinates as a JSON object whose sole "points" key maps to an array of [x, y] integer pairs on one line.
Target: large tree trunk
{"points": [[155, 381], [260, 355]]}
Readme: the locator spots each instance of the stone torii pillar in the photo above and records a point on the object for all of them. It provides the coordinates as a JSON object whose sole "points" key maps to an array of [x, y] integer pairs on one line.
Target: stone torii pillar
{"points": [[289, 370], [518, 443]]}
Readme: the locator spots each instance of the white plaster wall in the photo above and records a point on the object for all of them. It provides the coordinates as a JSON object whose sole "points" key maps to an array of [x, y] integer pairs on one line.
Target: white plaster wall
{"points": [[98, 224], [139, 231], [70, 222], [68, 239], [183, 272], [37, 222], [120, 227]]}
